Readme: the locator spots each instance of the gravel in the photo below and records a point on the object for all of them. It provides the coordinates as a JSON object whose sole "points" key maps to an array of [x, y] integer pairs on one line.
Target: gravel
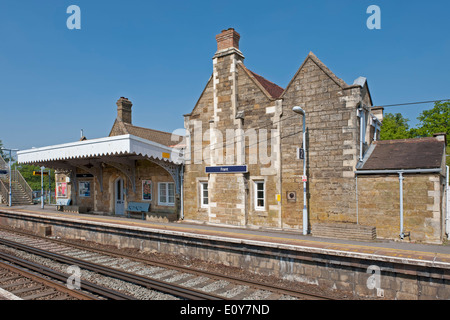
{"points": [[195, 281], [116, 284]]}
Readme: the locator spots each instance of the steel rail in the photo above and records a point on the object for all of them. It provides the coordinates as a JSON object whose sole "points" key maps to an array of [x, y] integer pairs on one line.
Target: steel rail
{"points": [[187, 293], [85, 285], [237, 280], [27, 273], [255, 284]]}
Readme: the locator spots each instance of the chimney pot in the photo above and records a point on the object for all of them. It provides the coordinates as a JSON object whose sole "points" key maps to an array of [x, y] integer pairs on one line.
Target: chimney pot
{"points": [[227, 39], [124, 109]]}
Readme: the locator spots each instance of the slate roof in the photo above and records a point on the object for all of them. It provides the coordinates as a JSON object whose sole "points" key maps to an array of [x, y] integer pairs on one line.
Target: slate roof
{"points": [[419, 153], [161, 137]]}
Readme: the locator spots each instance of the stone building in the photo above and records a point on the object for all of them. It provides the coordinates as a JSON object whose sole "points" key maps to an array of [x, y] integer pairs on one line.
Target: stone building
{"points": [[400, 188], [106, 175], [244, 168], [243, 160]]}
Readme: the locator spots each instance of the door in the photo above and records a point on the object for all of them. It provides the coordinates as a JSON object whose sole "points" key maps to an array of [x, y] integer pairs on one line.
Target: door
{"points": [[119, 197]]}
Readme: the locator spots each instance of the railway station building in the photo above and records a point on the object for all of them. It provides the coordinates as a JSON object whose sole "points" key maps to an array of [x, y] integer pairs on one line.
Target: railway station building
{"points": [[106, 175], [246, 153], [249, 160]]}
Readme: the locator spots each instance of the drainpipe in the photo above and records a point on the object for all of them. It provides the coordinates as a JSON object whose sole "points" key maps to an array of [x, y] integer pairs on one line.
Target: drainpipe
{"points": [[377, 127], [400, 179], [361, 133], [182, 192], [400, 173], [299, 110], [447, 217], [357, 205]]}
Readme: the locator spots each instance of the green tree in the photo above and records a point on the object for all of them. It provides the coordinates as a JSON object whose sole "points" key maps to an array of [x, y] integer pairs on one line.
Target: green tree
{"points": [[35, 181], [435, 120], [395, 126], [3, 153], [432, 121]]}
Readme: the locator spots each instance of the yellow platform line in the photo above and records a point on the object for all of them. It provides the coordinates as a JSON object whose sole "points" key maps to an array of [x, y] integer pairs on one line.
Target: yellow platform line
{"points": [[359, 248]]}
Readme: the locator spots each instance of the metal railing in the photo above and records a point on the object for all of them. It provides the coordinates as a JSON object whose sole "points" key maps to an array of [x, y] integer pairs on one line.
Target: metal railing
{"points": [[4, 192], [17, 176], [3, 164]]}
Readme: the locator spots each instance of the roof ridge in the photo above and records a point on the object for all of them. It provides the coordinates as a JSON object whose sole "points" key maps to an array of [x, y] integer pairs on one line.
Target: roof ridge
{"points": [[154, 130], [407, 140], [272, 89], [341, 83], [256, 74]]}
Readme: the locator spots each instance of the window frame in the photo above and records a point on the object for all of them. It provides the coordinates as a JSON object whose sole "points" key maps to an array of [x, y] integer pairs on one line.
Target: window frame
{"points": [[167, 194], [202, 194], [255, 195]]}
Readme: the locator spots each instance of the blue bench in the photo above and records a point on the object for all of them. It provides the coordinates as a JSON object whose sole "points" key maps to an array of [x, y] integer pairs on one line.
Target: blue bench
{"points": [[138, 207], [61, 203], [65, 206]]}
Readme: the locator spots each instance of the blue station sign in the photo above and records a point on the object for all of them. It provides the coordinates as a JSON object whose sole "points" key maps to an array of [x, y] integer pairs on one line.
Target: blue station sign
{"points": [[227, 169]]}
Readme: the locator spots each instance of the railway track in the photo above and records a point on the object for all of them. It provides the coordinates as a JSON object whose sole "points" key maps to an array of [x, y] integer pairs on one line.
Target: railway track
{"points": [[25, 280], [20, 284], [180, 282]]}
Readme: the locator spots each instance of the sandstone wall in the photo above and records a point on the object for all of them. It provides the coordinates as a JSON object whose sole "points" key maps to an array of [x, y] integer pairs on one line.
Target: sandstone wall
{"points": [[332, 146], [379, 205]]}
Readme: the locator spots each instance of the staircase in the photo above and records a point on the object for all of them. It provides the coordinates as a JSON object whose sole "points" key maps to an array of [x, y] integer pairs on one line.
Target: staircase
{"points": [[18, 195], [21, 193]]}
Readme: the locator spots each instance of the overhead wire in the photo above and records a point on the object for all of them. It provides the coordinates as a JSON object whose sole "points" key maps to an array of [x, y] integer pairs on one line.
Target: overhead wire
{"points": [[212, 147]]}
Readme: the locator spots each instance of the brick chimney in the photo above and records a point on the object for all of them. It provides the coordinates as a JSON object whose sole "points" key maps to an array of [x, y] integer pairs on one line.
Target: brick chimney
{"points": [[227, 39], [124, 109]]}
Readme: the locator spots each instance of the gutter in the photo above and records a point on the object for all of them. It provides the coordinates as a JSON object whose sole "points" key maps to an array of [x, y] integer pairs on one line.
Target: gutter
{"points": [[400, 173], [447, 209]]}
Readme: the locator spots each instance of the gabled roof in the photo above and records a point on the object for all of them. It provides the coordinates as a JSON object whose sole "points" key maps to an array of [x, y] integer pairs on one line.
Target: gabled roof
{"points": [[161, 137], [272, 90], [419, 153], [311, 56], [201, 95]]}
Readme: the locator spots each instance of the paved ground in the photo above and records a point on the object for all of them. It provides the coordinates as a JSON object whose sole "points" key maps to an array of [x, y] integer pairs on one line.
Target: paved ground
{"points": [[428, 252]]}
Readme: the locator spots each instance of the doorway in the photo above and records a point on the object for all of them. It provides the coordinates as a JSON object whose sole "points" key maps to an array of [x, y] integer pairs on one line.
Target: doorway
{"points": [[119, 197]]}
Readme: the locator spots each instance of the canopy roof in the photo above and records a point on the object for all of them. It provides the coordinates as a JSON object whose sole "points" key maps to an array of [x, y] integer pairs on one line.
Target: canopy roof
{"points": [[110, 146]]}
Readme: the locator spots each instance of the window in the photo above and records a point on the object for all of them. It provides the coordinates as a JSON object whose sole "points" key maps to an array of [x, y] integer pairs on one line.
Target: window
{"points": [[166, 193], [260, 195], [204, 200]]}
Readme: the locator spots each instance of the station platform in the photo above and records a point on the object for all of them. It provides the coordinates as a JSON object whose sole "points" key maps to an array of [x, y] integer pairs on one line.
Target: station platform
{"points": [[394, 251]]}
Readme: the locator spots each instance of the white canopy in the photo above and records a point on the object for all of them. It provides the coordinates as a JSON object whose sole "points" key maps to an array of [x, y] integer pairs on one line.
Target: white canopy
{"points": [[109, 146]]}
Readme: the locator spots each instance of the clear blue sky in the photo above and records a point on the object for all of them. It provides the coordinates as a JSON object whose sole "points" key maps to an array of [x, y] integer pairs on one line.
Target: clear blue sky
{"points": [[55, 81]]}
